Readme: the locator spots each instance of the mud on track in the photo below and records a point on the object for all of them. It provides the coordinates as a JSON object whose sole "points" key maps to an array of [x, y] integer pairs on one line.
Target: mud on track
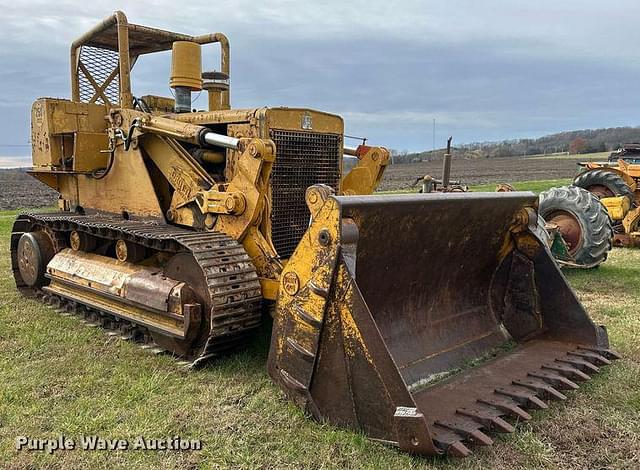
{"points": [[18, 190]]}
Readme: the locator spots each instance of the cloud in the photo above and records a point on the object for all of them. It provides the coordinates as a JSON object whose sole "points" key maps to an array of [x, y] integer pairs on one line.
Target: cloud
{"points": [[14, 162], [484, 70]]}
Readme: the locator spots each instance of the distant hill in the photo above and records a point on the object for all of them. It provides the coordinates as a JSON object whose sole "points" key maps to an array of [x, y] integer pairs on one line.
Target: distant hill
{"points": [[573, 142]]}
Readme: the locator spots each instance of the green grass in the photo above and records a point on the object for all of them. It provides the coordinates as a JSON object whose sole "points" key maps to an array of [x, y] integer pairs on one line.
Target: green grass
{"points": [[587, 157], [535, 186], [58, 376], [12, 213]]}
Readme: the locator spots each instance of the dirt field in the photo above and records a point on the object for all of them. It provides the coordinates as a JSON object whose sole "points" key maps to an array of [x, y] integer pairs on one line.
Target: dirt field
{"points": [[20, 191], [483, 171]]}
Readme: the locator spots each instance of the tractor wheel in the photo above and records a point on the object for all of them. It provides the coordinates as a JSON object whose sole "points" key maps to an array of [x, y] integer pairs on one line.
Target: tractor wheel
{"points": [[603, 183], [582, 220]]}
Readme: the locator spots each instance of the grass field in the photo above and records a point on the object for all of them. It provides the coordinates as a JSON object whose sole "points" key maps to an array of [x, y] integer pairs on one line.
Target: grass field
{"points": [[587, 157], [535, 186], [58, 376]]}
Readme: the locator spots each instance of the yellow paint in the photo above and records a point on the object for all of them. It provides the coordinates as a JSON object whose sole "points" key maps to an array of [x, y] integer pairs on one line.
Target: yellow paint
{"points": [[186, 65], [618, 207], [365, 177], [349, 326], [621, 210]]}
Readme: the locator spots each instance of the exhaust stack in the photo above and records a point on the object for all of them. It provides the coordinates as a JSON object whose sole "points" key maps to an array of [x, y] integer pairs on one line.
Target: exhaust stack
{"points": [[446, 166], [217, 86]]}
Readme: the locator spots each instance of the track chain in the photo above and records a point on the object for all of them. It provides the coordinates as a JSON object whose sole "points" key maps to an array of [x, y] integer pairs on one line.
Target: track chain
{"points": [[233, 284]]}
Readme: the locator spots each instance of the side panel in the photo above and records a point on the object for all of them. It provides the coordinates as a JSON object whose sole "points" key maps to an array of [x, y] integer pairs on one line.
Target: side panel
{"points": [[61, 129], [126, 187]]}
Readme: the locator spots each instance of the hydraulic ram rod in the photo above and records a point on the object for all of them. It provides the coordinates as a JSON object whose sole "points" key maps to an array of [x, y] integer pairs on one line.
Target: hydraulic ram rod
{"points": [[353, 151], [186, 132], [220, 140]]}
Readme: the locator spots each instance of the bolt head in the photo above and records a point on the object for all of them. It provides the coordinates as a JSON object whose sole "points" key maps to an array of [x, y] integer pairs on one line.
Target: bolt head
{"points": [[324, 237], [230, 203]]}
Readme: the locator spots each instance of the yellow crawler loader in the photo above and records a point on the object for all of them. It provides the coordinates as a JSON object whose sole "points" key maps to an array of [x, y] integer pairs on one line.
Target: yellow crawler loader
{"points": [[425, 321]]}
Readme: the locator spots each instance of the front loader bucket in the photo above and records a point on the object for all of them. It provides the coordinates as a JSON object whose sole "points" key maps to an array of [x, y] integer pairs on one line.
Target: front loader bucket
{"points": [[428, 320]]}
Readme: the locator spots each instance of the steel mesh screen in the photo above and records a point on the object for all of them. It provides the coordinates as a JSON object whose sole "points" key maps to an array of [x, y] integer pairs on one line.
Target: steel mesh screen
{"points": [[302, 159], [101, 64]]}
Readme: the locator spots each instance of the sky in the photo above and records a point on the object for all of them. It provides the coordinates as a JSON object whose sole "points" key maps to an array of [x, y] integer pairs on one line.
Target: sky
{"points": [[484, 70]]}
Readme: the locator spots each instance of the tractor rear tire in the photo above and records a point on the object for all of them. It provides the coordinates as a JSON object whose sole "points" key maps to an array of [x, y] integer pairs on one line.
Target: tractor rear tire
{"points": [[583, 221], [603, 183]]}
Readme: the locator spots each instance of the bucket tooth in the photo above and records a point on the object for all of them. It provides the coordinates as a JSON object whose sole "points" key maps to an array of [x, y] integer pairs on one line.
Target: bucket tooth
{"points": [[541, 388], [458, 449], [449, 442], [606, 352], [522, 396], [554, 379], [581, 364], [592, 357], [488, 417], [567, 371], [468, 428], [508, 406]]}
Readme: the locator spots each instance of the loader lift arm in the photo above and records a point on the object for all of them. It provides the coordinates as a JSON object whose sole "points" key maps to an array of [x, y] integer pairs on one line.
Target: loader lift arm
{"points": [[235, 208], [365, 177]]}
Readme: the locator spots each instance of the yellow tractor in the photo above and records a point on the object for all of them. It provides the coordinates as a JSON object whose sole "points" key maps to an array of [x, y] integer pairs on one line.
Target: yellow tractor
{"points": [[425, 321], [618, 187]]}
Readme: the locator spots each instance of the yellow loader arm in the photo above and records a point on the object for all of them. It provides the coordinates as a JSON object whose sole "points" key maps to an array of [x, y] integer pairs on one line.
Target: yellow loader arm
{"points": [[366, 175]]}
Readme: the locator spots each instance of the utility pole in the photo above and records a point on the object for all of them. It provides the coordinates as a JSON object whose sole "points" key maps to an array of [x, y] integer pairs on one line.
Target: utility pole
{"points": [[434, 138]]}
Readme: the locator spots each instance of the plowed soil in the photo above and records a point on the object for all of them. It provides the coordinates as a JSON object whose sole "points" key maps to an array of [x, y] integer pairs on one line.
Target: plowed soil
{"points": [[483, 171], [18, 190]]}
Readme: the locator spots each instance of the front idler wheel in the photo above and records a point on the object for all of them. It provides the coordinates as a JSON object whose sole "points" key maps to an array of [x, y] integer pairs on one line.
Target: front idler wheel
{"points": [[35, 250]]}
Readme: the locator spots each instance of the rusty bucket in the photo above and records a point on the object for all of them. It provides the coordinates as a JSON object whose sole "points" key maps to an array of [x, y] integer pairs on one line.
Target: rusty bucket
{"points": [[428, 321]]}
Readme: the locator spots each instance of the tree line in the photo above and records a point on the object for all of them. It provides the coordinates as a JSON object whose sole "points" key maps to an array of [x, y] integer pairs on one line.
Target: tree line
{"points": [[572, 142]]}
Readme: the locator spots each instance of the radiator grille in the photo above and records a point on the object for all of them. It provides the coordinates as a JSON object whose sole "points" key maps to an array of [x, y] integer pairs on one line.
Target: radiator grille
{"points": [[302, 159]]}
